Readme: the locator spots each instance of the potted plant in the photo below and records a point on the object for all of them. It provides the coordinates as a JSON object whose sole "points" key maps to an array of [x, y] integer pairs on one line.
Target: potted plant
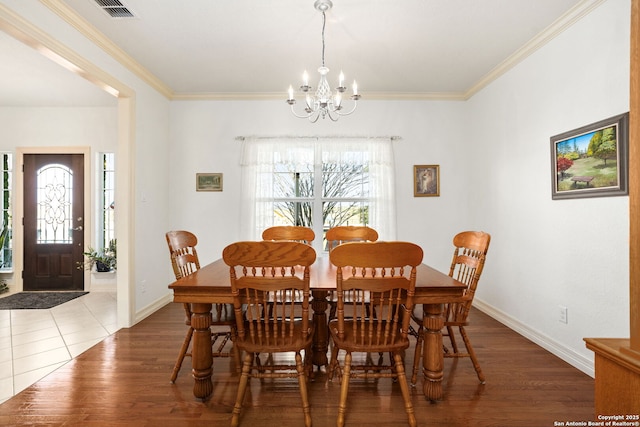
{"points": [[105, 260]]}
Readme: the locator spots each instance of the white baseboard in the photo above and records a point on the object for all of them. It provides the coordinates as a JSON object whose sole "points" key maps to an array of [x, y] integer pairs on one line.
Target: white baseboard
{"points": [[563, 352], [153, 307]]}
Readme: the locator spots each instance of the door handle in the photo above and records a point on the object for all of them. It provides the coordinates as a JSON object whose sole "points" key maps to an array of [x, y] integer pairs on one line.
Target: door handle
{"points": [[78, 228]]}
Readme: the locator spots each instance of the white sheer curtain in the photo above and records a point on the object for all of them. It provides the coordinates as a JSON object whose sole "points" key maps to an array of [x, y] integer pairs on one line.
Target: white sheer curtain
{"points": [[259, 154]]}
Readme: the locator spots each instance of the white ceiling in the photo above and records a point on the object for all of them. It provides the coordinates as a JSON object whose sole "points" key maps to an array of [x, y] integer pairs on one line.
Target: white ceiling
{"points": [[256, 48]]}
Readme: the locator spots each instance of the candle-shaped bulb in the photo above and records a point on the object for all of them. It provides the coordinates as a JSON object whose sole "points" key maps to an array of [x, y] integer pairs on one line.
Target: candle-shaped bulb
{"points": [[355, 88], [305, 78], [290, 92], [341, 84]]}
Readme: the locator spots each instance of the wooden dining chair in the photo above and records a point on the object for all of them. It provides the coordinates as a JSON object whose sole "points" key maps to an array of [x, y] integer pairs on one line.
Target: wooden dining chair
{"points": [[292, 233], [289, 232], [386, 271], [349, 233], [184, 260], [343, 234], [466, 266], [272, 275]]}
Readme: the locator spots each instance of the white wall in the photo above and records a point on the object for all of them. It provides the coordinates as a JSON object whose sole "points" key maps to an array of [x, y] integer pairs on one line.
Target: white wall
{"points": [[58, 127], [545, 253], [203, 135]]}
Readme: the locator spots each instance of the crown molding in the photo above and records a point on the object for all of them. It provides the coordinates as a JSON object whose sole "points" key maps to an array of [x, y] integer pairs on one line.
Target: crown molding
{"points": [[92, 33], [279, 96], [21, 29], [557, 27]]}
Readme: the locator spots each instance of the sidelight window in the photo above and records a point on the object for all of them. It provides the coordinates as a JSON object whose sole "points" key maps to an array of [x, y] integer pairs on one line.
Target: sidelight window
{"points": [[107, 229], [6, 258]]}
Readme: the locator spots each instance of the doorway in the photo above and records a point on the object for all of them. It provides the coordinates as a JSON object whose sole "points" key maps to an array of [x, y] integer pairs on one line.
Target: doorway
{"points": [[53, 222]]}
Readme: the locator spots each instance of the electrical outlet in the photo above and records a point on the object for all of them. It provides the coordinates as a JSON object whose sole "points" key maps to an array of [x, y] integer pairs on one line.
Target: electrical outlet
{"points": [[143, 286], [563, 314]]}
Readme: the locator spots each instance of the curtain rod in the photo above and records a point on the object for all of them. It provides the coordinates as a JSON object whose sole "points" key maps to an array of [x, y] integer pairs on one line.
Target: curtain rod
{"points": [[392, 138]]}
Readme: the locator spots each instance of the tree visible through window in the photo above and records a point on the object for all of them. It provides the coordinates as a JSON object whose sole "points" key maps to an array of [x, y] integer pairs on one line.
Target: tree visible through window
{"points": [[319, 184]]}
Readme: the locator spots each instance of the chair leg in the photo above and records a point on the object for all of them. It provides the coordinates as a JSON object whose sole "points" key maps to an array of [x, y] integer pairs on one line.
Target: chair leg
{"points": [[344, 390], [242, 388], [332, 312], [452, 338], [402, 380], [304, 393], [237, 354], [472, 354], [417, 355], [308, 363], [181, 355], [333, 364]]}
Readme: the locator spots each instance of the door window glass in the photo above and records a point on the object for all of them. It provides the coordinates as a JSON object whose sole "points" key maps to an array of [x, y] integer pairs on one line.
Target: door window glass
{"points": [[54, 202]]}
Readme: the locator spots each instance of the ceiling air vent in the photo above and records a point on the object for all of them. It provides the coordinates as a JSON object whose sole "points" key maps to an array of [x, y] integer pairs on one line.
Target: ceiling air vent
{"points": [[114, 8]]}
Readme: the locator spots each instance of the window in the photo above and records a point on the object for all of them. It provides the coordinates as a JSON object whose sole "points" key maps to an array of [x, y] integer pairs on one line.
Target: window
{"points": [[54, 186], [107, 231], [6, 259], [318, 183]]}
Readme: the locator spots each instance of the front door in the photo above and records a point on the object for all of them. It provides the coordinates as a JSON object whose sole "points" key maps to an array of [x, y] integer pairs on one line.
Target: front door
{"points": [[53, 222]]}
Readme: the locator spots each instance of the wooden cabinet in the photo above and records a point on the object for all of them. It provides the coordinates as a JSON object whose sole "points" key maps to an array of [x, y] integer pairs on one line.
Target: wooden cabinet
{"points": [[617, 384]]}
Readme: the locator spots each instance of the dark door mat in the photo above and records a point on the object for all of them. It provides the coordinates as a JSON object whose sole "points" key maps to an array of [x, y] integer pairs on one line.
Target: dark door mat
{"points": [[37, 300]]}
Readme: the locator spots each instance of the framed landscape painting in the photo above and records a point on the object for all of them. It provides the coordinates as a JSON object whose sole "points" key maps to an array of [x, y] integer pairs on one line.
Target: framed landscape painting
{"points": [[426, 180], [591, 161], [208, 182]]}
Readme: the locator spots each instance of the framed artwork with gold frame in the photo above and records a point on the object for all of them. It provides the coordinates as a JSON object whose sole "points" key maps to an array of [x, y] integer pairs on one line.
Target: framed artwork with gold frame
{"points": [[426, 180]]}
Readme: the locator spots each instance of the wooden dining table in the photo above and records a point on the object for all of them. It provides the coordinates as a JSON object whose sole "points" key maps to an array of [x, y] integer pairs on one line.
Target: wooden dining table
{"points": [[211, 285]]}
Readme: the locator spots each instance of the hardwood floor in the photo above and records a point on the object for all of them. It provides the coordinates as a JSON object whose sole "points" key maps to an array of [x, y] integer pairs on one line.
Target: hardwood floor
{"points": [[124, 381]]}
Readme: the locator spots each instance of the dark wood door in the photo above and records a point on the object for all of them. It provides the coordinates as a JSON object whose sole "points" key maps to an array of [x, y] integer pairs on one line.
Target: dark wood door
{"points": [[53, 222]]}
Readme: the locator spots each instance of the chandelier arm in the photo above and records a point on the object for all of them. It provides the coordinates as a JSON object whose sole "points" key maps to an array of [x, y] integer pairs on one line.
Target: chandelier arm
{"points": [[300, 116], [314, 119], [355, 105], [333, 119]]}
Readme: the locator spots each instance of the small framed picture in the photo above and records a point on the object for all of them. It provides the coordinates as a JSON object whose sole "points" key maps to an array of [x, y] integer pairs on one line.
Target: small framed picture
{"points": [[426, 180], [591, 161], [208, 182]]}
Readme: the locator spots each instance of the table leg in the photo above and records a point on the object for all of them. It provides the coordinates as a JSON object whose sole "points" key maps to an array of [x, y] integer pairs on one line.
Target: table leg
{"points": [[201, 354], [321, 334], [432, 357]]}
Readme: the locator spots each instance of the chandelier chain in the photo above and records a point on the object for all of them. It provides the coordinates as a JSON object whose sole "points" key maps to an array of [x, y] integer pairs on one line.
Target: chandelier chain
{"points": [[324, 23]]}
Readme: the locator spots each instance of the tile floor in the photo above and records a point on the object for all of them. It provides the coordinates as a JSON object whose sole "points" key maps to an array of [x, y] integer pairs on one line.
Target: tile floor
{"points": [[34, 343]]}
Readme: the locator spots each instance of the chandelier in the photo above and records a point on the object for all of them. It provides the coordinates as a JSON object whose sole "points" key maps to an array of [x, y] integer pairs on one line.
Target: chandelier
{"points": [[323, 103]]}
